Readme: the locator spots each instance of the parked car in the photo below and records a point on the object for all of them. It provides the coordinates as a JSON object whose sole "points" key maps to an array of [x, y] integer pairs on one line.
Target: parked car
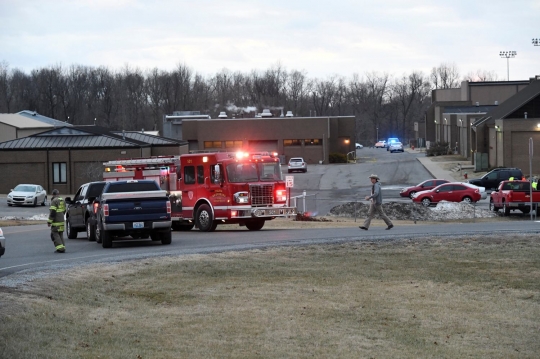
{"points": [[358, 146], [380, 144], [27, 194], [390, 141], [297, 164], [492, 179], [2, 243], [395, 147], [423, 186], [450, 192], [80, 212], [483, 193]]}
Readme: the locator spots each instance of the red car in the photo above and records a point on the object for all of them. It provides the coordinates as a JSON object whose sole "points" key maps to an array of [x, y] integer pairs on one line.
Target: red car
{"points": [[429, 184], [451, 192]]}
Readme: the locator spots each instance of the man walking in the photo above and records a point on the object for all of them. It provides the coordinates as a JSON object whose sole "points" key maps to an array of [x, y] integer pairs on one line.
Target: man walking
{"points": [[376, 204], [56, 221]]}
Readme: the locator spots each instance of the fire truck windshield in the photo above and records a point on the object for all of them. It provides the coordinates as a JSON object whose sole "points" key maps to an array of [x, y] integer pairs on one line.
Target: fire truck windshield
{"points": [[253, 172]]}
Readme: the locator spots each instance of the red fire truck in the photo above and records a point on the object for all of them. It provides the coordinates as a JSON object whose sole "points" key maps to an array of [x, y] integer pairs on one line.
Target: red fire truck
{"points": [[207, 189]]}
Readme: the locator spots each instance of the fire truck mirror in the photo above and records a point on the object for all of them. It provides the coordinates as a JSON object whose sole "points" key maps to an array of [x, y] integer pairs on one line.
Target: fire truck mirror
{"points": [[216, 174]]}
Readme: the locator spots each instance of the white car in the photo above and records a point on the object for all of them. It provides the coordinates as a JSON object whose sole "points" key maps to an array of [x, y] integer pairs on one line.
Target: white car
{"points": [[358, 146], [482, 190], [395, 147], [297, 164], [2, 243], [30, 194]]}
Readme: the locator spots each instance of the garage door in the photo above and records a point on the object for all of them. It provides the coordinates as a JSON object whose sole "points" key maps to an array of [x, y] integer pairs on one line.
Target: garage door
{"points": [[259, 146], [520, 151]]}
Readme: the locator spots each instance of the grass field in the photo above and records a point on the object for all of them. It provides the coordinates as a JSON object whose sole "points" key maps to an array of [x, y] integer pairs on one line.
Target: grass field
{"points": [[474, 297]]}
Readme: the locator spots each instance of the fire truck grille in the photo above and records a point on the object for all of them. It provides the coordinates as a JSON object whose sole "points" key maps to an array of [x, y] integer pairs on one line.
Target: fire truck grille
{"points": [[262, 195]]}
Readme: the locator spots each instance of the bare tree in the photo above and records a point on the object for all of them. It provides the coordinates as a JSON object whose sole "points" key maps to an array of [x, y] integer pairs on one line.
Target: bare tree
{"points": [[481, 76], [445, 76]]}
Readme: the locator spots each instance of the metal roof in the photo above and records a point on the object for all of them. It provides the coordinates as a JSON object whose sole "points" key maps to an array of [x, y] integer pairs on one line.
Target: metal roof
{"points": [[468, 109], [149, 138], [18, 121], [36, 116]]}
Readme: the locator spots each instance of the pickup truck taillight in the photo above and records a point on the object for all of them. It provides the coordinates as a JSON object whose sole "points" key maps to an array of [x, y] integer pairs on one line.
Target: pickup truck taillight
{"points": [[168, 207], [105, 210]]}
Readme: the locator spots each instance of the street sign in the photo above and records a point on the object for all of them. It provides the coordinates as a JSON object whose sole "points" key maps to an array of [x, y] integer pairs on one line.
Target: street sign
{"points": [[289, 181]]}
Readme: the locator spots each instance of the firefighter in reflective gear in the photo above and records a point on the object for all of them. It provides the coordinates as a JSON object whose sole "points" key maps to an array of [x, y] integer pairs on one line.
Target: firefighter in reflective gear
{"points": [[56, 221]]}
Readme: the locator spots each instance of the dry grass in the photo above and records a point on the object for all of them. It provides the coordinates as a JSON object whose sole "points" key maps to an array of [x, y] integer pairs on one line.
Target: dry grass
{"points": [[432, 298]]}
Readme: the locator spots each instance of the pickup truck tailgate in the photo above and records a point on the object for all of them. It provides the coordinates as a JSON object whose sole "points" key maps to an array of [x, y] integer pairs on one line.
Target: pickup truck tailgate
{"points": [[147, 206]]}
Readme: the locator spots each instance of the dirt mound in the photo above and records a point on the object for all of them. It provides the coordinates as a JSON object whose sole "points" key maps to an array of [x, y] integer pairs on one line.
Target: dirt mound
{"points": [[412, 211]]}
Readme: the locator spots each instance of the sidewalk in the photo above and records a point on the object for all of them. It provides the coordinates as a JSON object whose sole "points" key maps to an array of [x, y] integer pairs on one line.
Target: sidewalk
{"points": [[442, 169]]}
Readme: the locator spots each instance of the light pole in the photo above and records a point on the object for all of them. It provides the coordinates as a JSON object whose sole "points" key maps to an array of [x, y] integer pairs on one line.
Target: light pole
{"points": [[508, 55], [536, 42], [377, 139]]}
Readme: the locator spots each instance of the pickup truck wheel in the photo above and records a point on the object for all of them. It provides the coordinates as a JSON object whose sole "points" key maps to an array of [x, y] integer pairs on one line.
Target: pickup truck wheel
{"points": [[255, 225], [492, 206], [426, 202], [90, 231], [106, 239], [204, 218], [166, 237], [526, 210], [71, 234], [506, 209]]}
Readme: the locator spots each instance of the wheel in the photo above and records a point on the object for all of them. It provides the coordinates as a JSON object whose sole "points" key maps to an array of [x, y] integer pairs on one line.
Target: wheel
{"points": [[255, 225], [106, 239], [90, 231], [411, 194], [44, 201], [506, 209], [467, 200], [492, 206], [166, 237], [71, 234], [426, 202], [205, 219], [35, 202], [526, 210]]}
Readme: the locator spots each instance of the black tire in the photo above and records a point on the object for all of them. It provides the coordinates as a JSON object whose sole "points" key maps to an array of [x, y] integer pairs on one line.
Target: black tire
{"points": [[426, 202], [411, 194], [492, 206], [255, 225], [71, 234], [106, 239], [205, 219], [506, 209], [166, 237], [35, 202], [526, 210], [90, 231], [98, 232], [44, 201]]}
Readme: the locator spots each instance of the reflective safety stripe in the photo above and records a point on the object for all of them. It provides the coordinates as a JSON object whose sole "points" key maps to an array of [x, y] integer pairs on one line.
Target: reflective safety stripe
{"points": [[60, 246], [56, 224], [52, 208]]}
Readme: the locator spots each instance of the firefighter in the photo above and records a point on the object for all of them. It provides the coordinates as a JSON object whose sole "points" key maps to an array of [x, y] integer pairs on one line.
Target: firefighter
{"points": [[56, 221]]}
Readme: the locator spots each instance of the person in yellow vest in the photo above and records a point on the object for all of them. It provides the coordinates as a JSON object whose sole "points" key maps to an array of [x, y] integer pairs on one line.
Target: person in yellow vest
{"points": [[56, 221], [534, 183]]}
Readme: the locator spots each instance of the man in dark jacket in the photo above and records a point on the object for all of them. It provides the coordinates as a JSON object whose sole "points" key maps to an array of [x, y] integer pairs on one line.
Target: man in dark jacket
{"points": [[56, 221], [376, 204]]}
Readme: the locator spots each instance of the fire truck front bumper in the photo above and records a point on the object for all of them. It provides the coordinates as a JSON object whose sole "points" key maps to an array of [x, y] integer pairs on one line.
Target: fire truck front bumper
{"points": [[268, 212]]}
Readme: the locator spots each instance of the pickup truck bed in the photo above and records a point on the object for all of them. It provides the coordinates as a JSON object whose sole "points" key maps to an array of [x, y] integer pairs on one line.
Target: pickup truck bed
{"points": [[512, 195], [126, 211]]}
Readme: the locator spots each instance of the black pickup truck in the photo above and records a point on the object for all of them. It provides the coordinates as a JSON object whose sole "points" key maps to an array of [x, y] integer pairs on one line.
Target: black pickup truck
{"points": [[80, 214], [136, 208]]}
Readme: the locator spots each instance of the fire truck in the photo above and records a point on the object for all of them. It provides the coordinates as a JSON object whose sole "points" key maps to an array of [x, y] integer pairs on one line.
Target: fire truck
{"points": [[207, 189]]}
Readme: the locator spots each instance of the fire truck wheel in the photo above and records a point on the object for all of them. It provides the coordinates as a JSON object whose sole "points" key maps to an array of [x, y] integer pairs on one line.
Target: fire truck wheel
{"points": [[205, 219], [255, 225], [71, 234], [106, 239], [90, 231], [166, 237]]}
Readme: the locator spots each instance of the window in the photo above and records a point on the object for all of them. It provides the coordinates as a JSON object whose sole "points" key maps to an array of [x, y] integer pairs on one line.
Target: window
{"points": [[200, 174], [292, 142], [446, 188], [428, 184], [233, 144], [212, 144], [59, 172], [189, 175], [313, 142]]}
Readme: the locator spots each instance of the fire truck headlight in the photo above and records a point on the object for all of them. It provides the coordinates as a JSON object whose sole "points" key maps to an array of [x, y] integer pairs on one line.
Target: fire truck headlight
{"points": [[281, 195], [241, 197]]}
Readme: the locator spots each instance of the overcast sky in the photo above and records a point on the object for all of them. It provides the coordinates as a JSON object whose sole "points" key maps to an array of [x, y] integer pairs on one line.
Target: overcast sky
{"points": [[323, 38]]}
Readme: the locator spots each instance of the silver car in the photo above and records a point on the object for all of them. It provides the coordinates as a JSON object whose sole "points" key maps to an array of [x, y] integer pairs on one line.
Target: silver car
{"points": [[29, 194], [297, 164], [396, 147], [2, 243]]}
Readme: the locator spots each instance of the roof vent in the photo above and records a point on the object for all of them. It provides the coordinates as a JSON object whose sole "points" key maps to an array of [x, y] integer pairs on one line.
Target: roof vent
{"points": [[222, 115], [496, 103], [477, 104], [266, 113], [289, 114]]}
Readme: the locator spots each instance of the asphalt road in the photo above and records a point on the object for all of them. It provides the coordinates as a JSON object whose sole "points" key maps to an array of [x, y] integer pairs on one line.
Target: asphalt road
{"points": [[29, 248]]}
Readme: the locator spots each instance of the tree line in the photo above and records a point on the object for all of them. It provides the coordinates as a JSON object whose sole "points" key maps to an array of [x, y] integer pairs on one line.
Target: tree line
{"points": [[133, 99]]}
